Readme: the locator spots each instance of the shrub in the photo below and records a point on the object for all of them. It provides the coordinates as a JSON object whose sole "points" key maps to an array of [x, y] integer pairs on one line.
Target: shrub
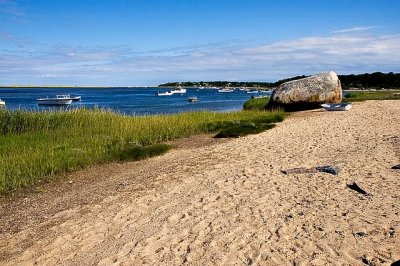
{"points": [[256, 103]]}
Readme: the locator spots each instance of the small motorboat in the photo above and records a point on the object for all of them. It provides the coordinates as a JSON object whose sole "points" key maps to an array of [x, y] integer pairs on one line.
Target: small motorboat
{"points": [[192, 99], [74, 98], [166, 93], [58, 100], [336, 106], [2, 103], [252, 91], [225, 90], [179, 89]]}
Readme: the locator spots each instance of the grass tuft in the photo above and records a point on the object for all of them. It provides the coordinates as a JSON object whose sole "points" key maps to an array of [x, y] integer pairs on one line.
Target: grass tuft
{"points": [[140, 153], [243, 129]]}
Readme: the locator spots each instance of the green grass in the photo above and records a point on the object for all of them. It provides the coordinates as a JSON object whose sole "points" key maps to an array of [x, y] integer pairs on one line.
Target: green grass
{"points": [[359, 96], [141, 153], [256, 103], [236, 130], [38, 146], [240, 128]]}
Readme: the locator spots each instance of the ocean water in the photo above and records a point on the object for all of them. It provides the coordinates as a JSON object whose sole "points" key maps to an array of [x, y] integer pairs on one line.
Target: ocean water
{"points": [[131, 101]]}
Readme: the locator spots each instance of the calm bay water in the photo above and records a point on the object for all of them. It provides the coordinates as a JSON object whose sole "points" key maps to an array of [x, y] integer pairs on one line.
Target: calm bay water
{"points": [[132, 101]]}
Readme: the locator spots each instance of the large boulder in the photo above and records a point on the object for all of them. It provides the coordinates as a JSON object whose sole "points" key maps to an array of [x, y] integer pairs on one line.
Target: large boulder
{"points": [[307, 93]]}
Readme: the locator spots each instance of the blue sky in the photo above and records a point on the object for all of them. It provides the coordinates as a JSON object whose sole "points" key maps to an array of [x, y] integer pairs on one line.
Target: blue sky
{"points": [[148, 42]]}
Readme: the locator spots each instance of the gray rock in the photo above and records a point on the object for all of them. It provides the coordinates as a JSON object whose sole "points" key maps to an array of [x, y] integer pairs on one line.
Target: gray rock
{"points": [[397, 166], [356, 187], [334, 170], [307, 93]]}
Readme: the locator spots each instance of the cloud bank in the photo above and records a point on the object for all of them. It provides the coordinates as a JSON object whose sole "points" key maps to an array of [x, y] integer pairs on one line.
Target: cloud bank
{"points": [[341, 51]]}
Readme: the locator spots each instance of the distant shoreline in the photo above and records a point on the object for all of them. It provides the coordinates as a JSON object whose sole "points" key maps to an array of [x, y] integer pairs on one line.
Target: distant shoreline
{"points": [[112, 87]]}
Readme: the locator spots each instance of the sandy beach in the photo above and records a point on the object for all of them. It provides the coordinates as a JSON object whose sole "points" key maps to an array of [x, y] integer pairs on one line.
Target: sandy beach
{"points": [[226, 202]]}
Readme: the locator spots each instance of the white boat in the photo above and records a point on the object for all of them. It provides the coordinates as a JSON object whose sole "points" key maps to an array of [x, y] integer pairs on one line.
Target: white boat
{"points": [[74, 98], [225, 90], [166, 93], [2, 103], [192, 99], [179, 89], [252, 91], [336, 106], [58, 100]]}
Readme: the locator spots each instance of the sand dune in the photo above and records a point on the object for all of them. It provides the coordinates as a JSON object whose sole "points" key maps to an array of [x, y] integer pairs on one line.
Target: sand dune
{"points": [[229, 203]]}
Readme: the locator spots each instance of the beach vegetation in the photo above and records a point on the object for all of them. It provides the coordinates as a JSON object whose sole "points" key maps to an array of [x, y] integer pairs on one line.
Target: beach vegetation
{"points": [[256, 103], [236, 130], [135, 153], [359, 96], [240, 128], [39, 146]]}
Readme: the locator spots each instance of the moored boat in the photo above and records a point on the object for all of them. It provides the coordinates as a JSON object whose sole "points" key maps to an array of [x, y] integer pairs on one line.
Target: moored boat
{"points": [[336, 106], [2, 103], [192, 99], [166, 93], [225, 90], [58, 100], [179, 89], [74, 98]]}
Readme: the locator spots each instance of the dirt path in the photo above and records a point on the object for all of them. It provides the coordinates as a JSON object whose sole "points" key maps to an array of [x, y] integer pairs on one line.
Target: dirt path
{"points": [[226, 203]]}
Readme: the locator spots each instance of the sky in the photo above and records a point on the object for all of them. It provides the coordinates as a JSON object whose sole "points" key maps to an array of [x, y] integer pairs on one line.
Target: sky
{"points": [[148, 42]]}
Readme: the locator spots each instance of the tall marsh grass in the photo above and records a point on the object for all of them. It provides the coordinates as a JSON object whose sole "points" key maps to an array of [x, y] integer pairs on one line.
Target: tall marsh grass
{"points": [[40, 145]]}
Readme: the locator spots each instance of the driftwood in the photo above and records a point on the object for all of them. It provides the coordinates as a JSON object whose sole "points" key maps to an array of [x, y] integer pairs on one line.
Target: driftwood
{"points": [[356, 187], [397, 166], [396, 263], [301, 170], [334, 170]]}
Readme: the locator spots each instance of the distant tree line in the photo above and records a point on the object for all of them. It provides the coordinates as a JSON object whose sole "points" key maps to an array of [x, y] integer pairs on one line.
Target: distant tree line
{"points": [[376, 80], [216, 84]]}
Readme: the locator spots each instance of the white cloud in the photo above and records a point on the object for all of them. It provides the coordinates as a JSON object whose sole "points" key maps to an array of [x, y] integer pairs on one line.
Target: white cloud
{"points": [[355, 29], [11, 9], [122, 66], [7, 37]]}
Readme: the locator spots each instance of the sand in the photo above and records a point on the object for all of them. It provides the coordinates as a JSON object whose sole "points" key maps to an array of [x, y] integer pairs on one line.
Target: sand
{"points": [[226, 202]]}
